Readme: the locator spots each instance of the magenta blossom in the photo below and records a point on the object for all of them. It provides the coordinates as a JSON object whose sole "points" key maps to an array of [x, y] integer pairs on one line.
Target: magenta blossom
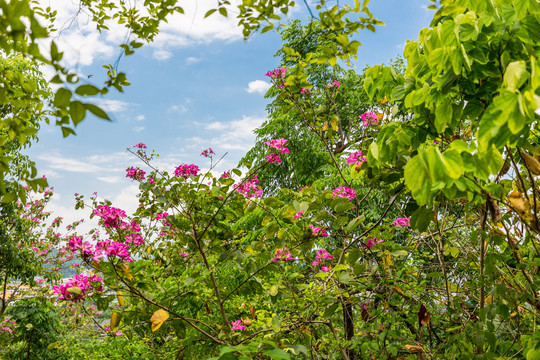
{"points": [[186, 170], [273, 158], [140, 146], [208, 152], [278, 144], [334, 83], [372, 242], [249, 187], [135, 173], [305, 91], [344, 192], [162, 215], [184, 254], [318, 231], [402, 222], [321, 256], [298, 215], [278, 73], [356, 158], [283, 255], [369, 118], [111, 216], [237, 325], [76, 288]]}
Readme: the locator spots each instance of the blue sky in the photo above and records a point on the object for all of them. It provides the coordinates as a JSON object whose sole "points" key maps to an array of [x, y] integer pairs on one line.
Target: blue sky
{"points": [[198, 86]]}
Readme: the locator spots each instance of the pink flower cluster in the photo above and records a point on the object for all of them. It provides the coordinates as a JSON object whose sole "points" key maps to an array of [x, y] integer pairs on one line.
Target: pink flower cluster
{"points": [[334, 83], [278, 73], [278, 144], [237, 325], [372, 242], [356, 158], [322, 255], [186, 170], [298, 215], [78, 287], [162, 215], [283, 255], [344, 192], [249, 188], [305, 91], [402, 222], [140, 145], [317, 231], [111, 216], [206, 153], [369, 118], [135, 173]]}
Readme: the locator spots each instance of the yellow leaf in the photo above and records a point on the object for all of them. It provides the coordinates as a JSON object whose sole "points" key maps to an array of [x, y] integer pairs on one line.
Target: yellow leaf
{"points": [[158, 319], [414, 348], [114, 321], [400, 292], [384, 100], [532, 164], [387, 259], [488, 300], [120, 298], [126, 271], [516, 200], [325, 126]]}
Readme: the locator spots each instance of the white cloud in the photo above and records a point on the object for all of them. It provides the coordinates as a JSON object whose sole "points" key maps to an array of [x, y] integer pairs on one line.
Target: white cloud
{"points": [[236, 134], [258, 86], [140, 117], [192, 60], [111, 105], [110, 179], [138, 128], [58, 162], [162, 55], [178, 108]]}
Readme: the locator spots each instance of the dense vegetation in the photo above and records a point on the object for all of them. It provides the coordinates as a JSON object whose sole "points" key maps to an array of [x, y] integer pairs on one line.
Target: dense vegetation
{"points": [[387, 214]]}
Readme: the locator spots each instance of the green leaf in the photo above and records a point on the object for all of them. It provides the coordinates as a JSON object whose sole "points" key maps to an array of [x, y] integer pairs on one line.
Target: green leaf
{"points": [[87, 90], [62, 97], [277, 354], [276, 324], [515, 75], [421, 218], [209, 12], [97, 111], [77, 112]]}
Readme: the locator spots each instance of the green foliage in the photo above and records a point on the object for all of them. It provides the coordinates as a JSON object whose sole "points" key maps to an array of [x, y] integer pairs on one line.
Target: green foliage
{"points": [[38, 328]]}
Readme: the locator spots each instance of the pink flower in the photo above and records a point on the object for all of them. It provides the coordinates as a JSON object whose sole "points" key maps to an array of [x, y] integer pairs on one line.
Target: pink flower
{"points": [[162, 215], [326, 268], [111, 216], [276, 73], [318, 231], [237, 325], [208, 152], [402, 222], [334, 83], [151, 181], [118, 333], [298, 215], [249, 187], [278, 144], [186, 170], [226, 174], [369, 118], [135, 173], [305, 91], [39, 281], [140, 145], [283, 255], [273, 158], [184, 254], [356, 158], [372, 242], [344, 192]]}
